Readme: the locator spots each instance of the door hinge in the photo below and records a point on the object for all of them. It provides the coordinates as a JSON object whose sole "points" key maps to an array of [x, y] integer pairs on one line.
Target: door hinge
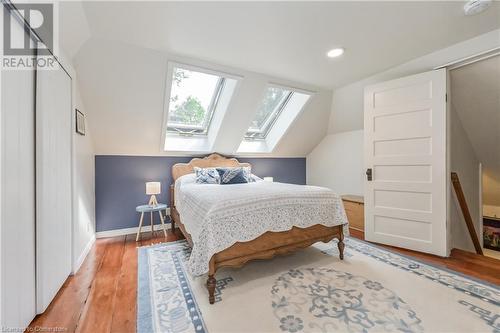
{"points": [[446, 98]]}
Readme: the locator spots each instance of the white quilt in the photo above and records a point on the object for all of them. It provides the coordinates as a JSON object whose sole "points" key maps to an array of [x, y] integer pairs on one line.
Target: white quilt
{"points": [[217, 216]]}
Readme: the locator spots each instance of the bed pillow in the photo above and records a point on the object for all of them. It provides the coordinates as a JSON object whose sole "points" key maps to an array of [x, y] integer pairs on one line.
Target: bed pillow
{"points": [[239, 175], [206, 175]]}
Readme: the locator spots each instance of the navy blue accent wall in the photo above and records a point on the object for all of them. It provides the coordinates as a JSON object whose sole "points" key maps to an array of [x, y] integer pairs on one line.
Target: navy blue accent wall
{"points": [[120, 183]]}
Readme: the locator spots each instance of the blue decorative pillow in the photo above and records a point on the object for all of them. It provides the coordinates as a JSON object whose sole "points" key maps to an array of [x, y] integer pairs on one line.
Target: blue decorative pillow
{"points": [[234, 175], [207, 176]]}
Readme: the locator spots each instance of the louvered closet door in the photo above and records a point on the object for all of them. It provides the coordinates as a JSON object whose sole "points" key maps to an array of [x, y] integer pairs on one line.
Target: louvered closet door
{"points": [[405, 147], [54, 210]]}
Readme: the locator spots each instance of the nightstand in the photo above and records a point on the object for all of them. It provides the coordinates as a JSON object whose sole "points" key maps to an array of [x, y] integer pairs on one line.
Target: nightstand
{"points": [[151, 209]]}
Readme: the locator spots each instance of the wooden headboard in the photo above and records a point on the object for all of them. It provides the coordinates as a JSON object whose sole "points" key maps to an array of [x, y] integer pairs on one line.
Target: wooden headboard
{"points": [[210, 161]]}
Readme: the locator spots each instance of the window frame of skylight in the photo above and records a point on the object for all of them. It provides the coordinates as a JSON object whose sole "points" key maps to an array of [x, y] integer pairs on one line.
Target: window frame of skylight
{"points": [[262, 133], [195, 130]]}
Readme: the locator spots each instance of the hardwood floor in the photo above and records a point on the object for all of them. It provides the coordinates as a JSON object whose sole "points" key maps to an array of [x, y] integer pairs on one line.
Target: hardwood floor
{"points": [[101, 296]]}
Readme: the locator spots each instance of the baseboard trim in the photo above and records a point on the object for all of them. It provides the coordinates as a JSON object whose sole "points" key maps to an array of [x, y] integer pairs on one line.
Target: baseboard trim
{"points": [[128, 231], [83, 255]]}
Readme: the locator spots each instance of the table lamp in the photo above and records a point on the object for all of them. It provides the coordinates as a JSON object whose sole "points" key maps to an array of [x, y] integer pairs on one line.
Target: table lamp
{"points": [[153, 188]]}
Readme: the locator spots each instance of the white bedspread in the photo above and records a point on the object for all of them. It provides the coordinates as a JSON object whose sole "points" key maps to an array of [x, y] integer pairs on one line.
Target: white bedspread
{"points": [[217, 216]]}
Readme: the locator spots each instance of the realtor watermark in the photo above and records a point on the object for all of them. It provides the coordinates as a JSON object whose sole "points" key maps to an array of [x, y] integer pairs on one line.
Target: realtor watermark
{"points": [[31, 48]]}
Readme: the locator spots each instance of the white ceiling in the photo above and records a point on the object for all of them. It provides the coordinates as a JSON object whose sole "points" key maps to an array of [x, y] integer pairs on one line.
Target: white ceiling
{"points": [[282, 39], [475, 96], [120, 52]]}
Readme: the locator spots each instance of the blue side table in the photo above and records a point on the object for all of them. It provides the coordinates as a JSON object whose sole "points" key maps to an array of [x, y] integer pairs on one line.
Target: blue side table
{"points": [[150, 209]]}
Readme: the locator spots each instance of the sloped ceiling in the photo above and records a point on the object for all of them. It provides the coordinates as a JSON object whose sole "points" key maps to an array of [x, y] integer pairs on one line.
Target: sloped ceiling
{"points": [[290, 39], [475, 95], [120, 51], [123, 87]]}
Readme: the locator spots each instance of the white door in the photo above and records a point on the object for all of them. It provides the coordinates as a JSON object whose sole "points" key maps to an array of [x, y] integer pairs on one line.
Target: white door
{"points": [[405, 149], [53, 183], [17, 193]]}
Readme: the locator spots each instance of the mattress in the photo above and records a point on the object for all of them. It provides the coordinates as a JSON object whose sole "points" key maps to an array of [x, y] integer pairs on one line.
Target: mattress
{"points": [[218, 216]]}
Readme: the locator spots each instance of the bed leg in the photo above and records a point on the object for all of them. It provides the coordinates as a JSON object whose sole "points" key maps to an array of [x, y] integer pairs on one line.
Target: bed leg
{"points": [[341, 246], [211, 282]]}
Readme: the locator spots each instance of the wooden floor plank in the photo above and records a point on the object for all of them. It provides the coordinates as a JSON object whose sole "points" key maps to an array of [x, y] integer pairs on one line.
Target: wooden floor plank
{"points": [[124, 316], [98, 310], [102, 296]]}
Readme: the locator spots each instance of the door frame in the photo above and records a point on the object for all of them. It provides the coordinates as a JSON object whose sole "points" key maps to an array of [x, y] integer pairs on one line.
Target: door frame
{"points": [[481, 226]]}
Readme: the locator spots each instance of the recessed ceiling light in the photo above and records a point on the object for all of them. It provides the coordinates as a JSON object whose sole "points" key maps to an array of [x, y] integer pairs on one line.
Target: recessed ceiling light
{"points": [[336, 52], [473, 7]]}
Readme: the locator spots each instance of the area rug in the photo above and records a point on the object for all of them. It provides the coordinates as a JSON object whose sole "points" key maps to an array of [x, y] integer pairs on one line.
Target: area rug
{"points": [[312, 290]]}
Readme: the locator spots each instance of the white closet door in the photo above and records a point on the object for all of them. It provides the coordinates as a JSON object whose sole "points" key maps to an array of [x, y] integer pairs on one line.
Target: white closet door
{"points": [[17, 234], [54, 211], [405, 147]]}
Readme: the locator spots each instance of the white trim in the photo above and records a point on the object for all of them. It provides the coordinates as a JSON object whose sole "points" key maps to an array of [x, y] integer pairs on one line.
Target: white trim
{"points": [[449, 189], [1, 203], [83, 255], [272, 84], [481, 238], [128, 231], [168, 92], [202, 69], [471, 59]]}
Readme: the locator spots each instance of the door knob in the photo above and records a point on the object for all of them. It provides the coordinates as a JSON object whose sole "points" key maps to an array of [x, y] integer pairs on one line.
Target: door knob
{"points": [[369, 174]]}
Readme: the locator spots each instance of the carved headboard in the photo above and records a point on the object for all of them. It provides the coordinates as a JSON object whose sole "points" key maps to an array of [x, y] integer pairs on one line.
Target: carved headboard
{"points": [[210, 161]]}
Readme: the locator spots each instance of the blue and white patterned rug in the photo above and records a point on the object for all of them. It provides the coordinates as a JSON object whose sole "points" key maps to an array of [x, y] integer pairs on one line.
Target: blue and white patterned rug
{"points": [[372, 290]]}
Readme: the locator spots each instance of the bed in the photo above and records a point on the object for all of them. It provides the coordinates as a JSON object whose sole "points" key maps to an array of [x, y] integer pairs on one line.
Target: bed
{"points": [[229, 225]]}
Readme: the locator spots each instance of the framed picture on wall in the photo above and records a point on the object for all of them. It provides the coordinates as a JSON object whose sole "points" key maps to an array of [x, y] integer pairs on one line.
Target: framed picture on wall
{"points": [[80, 122]]}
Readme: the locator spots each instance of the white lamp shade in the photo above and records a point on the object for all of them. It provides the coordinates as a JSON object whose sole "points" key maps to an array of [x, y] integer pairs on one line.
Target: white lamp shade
{"points": [[153, 188], [268, 179]]}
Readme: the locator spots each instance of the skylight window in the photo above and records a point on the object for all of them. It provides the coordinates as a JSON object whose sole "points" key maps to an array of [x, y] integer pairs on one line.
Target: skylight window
{"points": [[276, 112], [272, 106], [193, 100]]}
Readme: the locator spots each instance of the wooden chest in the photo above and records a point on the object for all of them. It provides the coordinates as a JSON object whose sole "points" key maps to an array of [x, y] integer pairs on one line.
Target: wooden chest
{"points": [[355, 210]]}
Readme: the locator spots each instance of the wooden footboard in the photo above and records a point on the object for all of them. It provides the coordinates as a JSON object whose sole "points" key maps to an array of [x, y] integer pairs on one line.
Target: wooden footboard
{"points": [[266, 246], [269, 245]]}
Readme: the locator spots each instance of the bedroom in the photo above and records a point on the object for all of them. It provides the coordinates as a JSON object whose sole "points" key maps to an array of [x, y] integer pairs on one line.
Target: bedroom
{"points": [[293, 158]]}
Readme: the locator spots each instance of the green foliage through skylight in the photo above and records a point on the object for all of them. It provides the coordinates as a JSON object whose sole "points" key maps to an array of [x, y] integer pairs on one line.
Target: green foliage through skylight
{"points": [[193, 98]]}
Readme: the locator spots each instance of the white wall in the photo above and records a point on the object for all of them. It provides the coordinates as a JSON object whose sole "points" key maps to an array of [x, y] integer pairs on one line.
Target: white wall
{"points": [[491, 211], [491, 193], [84, 188], [83, 232], [464, 162], [491, 187], [337, 163]]}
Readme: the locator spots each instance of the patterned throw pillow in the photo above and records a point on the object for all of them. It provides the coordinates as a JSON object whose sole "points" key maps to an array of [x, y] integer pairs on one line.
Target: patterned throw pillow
{"points": [[234, 175], [207, 176]]}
